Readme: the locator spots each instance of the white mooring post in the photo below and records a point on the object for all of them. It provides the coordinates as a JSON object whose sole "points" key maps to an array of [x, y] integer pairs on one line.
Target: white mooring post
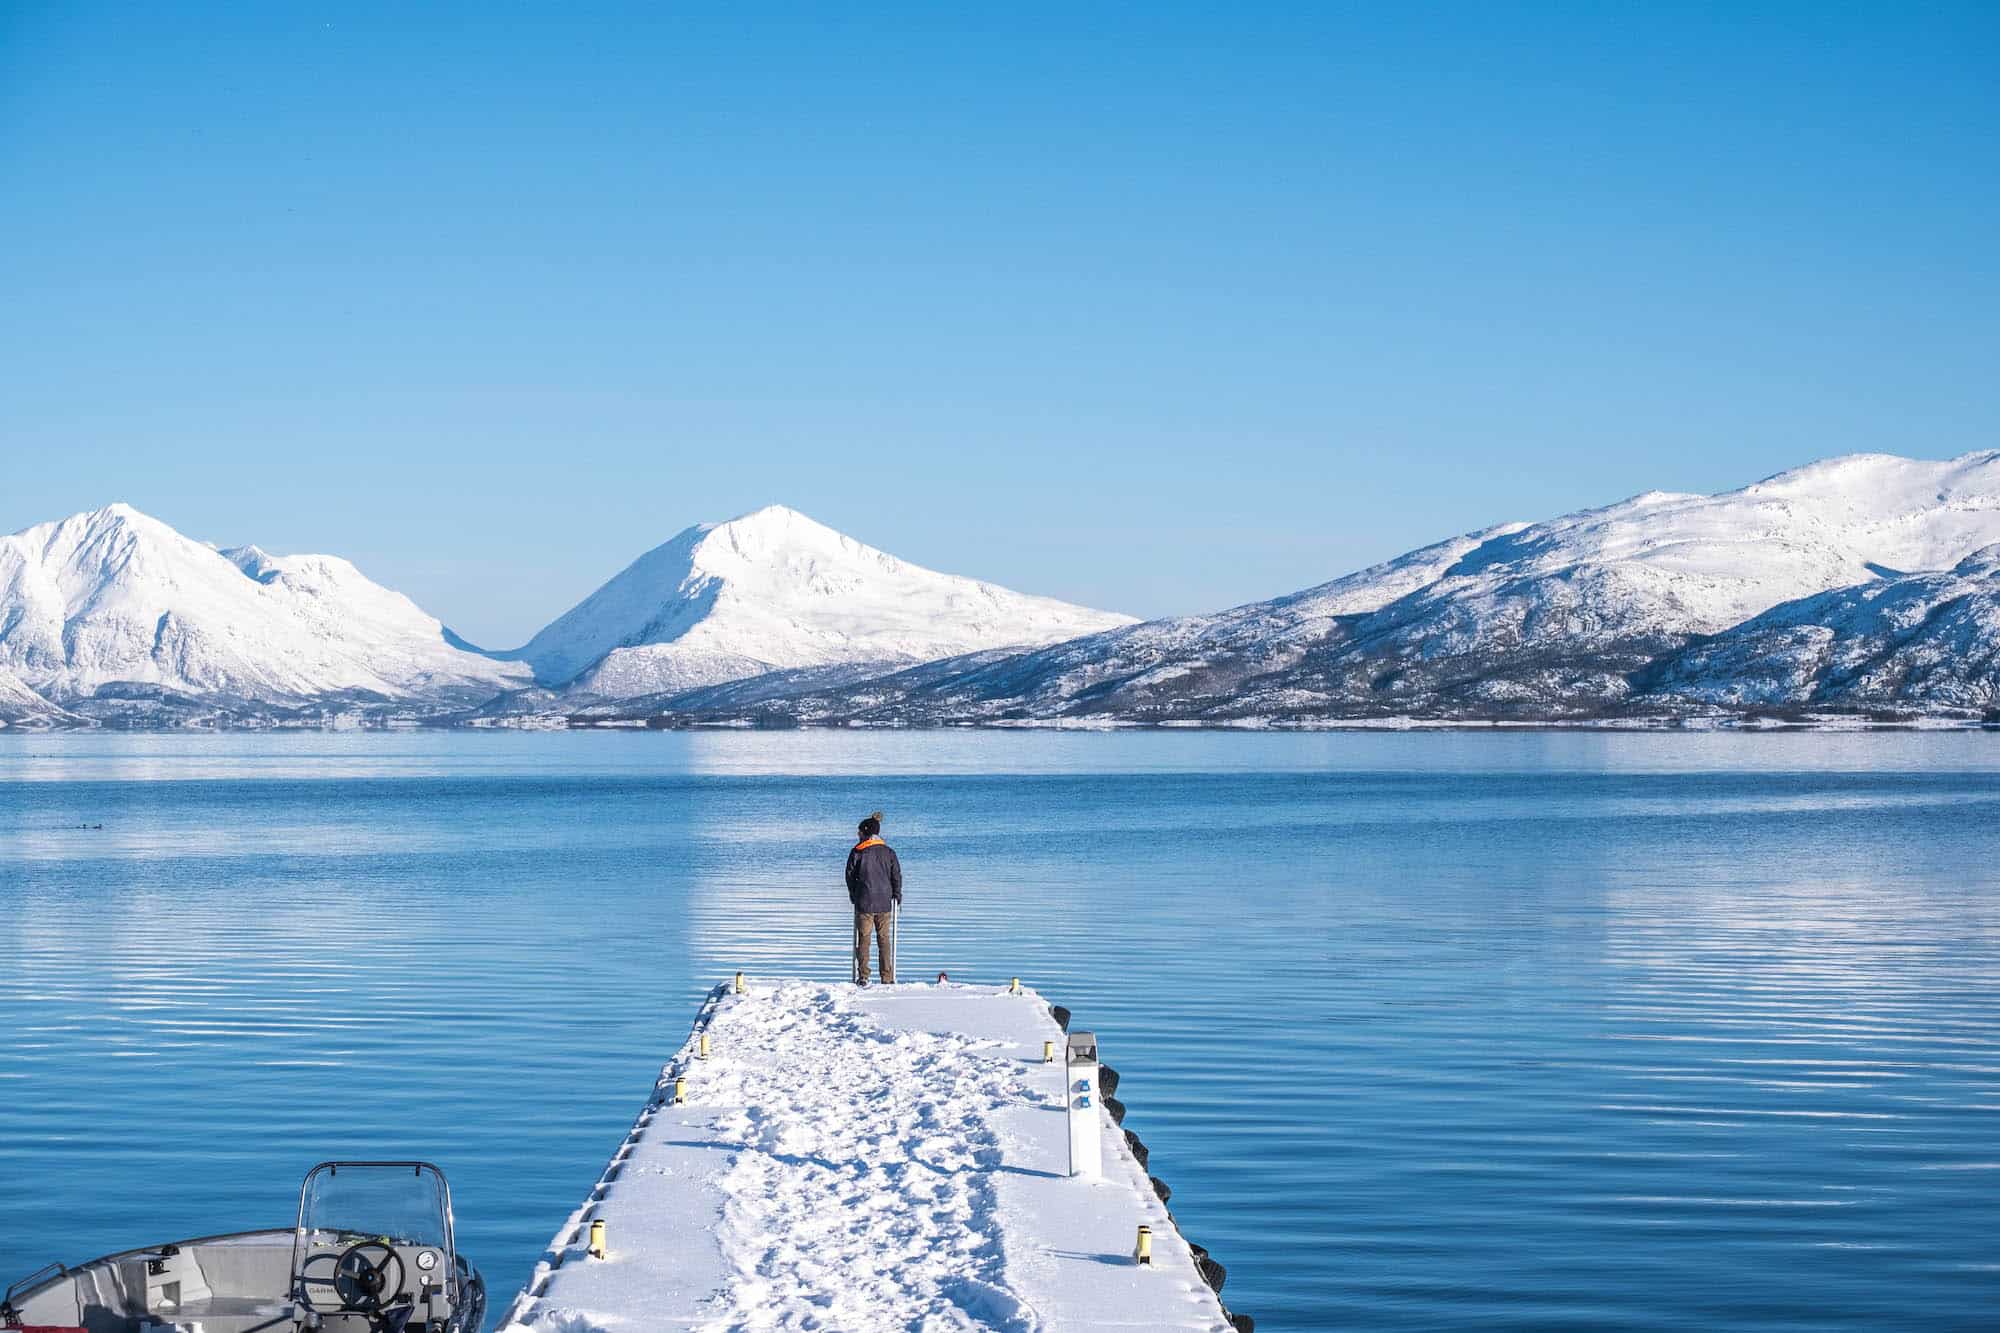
{"points": [[1086, 1146]]}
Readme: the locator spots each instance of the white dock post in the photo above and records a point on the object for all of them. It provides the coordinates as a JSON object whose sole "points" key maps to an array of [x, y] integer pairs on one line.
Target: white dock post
{"points": [[1086, 1147]]}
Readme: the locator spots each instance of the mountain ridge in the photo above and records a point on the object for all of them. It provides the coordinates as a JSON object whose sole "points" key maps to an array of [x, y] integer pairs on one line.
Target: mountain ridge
{"points": [[112, 617], [1560, 620], [1857, 586], [115, 603]]}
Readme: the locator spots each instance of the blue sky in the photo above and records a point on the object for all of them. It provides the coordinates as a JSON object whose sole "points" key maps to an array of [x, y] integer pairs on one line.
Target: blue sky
{"points": [[1152, 306]]}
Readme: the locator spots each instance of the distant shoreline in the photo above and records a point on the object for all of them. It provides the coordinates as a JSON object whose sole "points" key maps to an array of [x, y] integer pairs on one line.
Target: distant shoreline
{"points": [[1663, 726]]}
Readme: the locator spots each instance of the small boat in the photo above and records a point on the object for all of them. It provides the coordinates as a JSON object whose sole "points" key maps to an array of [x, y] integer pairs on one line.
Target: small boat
{"points": [[372, 1253]]}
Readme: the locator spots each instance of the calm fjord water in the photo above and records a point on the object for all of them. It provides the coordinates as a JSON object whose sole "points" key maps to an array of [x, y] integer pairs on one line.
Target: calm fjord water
{"points": [[1533, 1031]]}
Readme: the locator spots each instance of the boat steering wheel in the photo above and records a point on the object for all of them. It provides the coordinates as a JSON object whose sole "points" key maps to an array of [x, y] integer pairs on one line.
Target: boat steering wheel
{"points": [[362, 1282]]}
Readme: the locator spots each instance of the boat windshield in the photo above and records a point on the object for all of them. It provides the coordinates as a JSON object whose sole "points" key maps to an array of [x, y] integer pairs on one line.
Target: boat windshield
{"points": [[402, 1201]]}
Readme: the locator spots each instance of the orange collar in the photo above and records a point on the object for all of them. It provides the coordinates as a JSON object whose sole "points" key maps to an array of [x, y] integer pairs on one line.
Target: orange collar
{"points": [[871, 842]]}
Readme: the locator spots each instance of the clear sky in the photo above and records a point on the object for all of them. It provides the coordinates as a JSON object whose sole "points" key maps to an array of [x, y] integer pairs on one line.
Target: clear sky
{"points": [[1157, 307]]}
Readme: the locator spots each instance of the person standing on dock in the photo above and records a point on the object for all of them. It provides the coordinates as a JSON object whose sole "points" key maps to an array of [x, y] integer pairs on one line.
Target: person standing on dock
{"points": [[875, 887]]}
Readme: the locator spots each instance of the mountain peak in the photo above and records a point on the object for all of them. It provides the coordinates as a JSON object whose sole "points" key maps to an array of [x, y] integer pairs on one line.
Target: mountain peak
{"points": [[777, 527], [108, 518], [118, 514], [779, 542], [116, 530], [254, 561], [116, 541], [771, 516], [774, 589], [1878, 478]]}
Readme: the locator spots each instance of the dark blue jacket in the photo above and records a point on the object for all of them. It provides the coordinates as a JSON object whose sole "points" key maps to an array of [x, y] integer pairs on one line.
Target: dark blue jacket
{"points": [[874, 876]]}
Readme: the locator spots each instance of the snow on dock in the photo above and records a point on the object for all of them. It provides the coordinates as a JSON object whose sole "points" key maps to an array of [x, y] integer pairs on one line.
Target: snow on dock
{"points": [[848, 1159]]}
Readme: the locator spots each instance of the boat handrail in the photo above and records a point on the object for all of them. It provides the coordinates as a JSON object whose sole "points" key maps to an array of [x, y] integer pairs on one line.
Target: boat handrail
{"points": [[34, 1279]]}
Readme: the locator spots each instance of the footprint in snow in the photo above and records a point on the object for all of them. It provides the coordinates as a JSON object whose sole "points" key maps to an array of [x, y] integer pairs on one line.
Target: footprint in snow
{"points": [[994, 1307]]}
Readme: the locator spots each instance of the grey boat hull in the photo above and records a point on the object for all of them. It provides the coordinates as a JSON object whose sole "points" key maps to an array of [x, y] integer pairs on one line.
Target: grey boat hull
{"points": [[236, 1283]]}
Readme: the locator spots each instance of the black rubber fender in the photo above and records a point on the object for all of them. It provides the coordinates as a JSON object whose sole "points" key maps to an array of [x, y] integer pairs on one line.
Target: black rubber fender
{"points": [[1213, 1273], [1138, 1148]]}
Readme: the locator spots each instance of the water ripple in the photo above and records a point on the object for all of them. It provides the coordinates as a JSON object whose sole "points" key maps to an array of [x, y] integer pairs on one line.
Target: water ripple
{"points": [[1528, 1032]]}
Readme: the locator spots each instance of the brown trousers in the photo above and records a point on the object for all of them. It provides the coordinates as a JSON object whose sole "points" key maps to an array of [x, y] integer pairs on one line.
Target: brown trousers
{"points": [[883, 926]]}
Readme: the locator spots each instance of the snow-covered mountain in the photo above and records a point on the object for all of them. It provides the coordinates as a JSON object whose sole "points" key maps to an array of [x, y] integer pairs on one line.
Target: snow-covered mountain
{"points": [[775, 591], [1568, 618], [113, 611], [1927, 643], [1866, 584]]}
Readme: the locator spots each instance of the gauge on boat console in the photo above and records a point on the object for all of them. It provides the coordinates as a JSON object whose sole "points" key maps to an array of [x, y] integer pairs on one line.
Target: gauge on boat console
{"points": [[427, 1260]]}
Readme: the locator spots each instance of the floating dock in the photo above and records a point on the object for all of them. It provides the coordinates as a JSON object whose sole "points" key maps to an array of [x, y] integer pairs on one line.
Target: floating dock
{"points": [[899, 1157]]}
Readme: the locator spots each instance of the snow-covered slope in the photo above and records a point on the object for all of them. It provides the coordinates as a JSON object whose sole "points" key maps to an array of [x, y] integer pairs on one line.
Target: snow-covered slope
{"points": [[1555, 619], [1546, 620], [22, 707], [773, 590], [1705, 562], [118, 604], [1921, 642]]}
